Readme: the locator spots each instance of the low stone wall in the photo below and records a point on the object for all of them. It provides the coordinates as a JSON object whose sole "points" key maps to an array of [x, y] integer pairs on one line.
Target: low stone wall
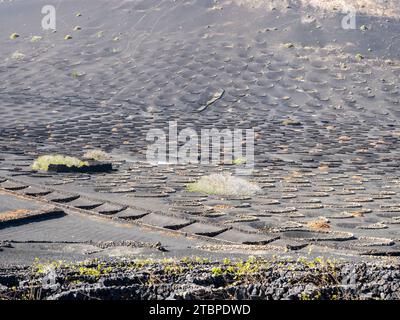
{"points": [[200, 279]]}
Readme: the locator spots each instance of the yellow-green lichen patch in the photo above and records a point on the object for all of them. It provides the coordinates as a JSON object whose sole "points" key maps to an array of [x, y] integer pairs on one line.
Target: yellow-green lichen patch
{"points": [[239, 161], [42, 163], [14, 36]]}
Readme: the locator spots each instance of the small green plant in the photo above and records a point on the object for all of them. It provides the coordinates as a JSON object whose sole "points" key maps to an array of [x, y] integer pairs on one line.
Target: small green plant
{"points": [[359, 57], [91, 272], [288, 45], [36, 38], [42, 163], [43, 268], [239, 161], [75, 74], [14, 36], [140, 263], [173, 270], [186, 260], [94, 271], [305, 297], [251, 266], [217, 271], [201, 260]]}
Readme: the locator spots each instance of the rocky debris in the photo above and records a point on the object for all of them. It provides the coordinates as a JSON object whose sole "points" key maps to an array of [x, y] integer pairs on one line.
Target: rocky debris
{"points": [[5, 244], [200, 279], [124, 243], [23, 215]]}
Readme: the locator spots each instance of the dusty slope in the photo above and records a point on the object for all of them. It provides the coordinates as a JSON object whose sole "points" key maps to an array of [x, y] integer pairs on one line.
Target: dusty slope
{"points": [[387, 8]]}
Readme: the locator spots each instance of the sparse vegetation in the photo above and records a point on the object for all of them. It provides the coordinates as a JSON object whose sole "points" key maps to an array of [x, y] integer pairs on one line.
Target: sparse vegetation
{"points": [[42, 163], [239, 161], [303, 278], [359, 57], [94, 271], [17, 55], [288, 45], [36, 38], [173, 269], [97, 155], [225, 185], [291, 122], [14, 36], [75, 74]]}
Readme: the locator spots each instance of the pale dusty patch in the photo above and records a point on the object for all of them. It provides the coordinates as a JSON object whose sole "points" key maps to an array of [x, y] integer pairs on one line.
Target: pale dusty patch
{"points": [[224, 184], [97, 154], [17, 55], [12, 215], [257, 4], [320, 224], [388, 8]]}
